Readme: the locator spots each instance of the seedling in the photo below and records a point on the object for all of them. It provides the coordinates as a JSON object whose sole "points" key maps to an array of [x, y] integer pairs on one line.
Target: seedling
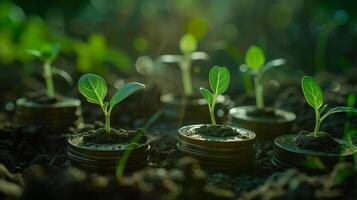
{"points": [[255, 62], [219, 79], [314, 97], [48, 53], [188, 45], [93, 87]]}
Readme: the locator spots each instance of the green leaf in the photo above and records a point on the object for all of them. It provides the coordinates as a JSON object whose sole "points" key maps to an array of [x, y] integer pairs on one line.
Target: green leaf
{"points": [[93, 87], [34, 52], [124, 92], [273, 63], [219, 79], [188, 44], [312, 92], [339, 109], [207, 95], [255, 57]]}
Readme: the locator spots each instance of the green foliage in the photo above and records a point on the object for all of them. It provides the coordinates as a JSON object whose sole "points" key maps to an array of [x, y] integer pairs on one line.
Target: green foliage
{"points": [[94, 88], [124, 92], [188, 44], [48, 53], [314, 97], [255, 57], [312, 92], [94, 54], [219, 79], [255, 62]]}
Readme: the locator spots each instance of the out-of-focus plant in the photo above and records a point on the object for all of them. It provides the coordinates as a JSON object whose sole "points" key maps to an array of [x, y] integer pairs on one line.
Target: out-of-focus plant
{"points": [[188, 46], [93, 55], [340, 18], [255, 63], [349, 131], [247, 82], [93, 87], [219, 79], [314, 97], [48, 53]]}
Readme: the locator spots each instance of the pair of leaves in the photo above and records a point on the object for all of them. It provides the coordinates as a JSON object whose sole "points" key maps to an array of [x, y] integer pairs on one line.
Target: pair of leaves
{"points": [[219, 79], [94, 88], [255, 59], [50, 52], [314, 97]]}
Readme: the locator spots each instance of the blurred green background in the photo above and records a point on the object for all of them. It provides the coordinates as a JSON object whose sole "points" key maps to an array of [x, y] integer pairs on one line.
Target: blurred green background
{"points": [[107, 37]]}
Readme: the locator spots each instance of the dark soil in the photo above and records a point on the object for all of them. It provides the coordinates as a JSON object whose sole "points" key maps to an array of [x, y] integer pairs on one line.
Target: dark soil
{"points": [[291, 185], [23, 146], [324, 142], [100, 136], [219, 131]]}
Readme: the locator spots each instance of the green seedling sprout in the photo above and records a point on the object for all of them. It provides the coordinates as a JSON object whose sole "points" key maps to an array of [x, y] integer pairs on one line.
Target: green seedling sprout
{"points": [[314, 97], [255, 62], [188, 46], [219, 79], [48, 53], [93, 87]]}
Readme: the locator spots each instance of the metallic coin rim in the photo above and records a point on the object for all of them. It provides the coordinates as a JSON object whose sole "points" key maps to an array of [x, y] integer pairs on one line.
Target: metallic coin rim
{"points": [[240, 114], [105, 156], [207, 156], [297, 151], [66, 103], [214, 150], [141, 147], [210, 143]]}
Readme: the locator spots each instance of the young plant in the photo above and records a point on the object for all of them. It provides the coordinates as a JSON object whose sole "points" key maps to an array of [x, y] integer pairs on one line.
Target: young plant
{"points": [[188, 45], [219, 79], [255, 63], [48, 53], [93, 87], [314, 97]]}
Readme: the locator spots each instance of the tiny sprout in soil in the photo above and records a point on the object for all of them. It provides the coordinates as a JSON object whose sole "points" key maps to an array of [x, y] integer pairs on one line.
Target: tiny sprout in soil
{"points": [[314, 97], [255, 61], [188, 46], [94, 88], [219, 79], [48, 54]]}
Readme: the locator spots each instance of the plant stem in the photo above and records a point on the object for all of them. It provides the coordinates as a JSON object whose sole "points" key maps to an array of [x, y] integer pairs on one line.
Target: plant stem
{"points": [[259, 94], [107, 122], [185, 66], [247, 82], [48, 78], [211, 112], [318, 122]]}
